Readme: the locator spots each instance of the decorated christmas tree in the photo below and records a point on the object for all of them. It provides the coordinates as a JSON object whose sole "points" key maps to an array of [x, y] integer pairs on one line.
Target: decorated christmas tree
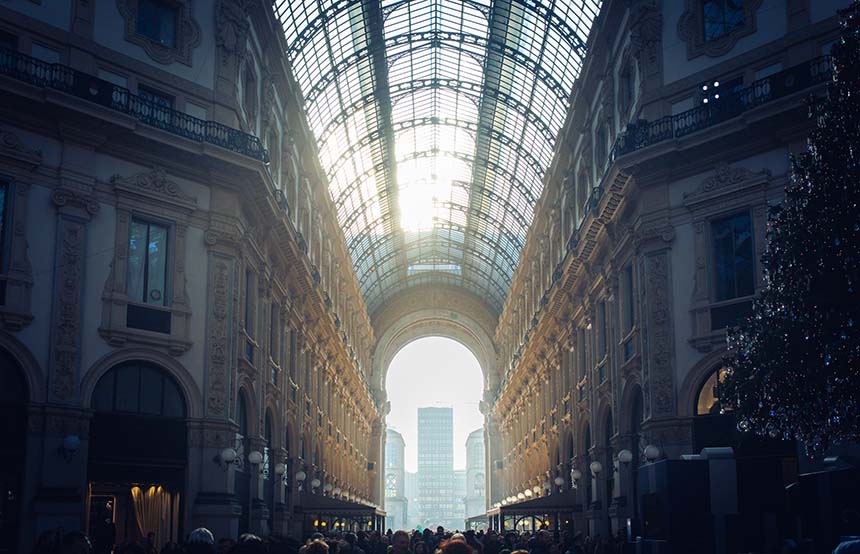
{"points": [[794, 366]]}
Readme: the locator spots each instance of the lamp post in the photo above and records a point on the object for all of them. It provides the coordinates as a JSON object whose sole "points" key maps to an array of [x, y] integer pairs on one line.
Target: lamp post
{"points": [[300, 478], [255, 458]]}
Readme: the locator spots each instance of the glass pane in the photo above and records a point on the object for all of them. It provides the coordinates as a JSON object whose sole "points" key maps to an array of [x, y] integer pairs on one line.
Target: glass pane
{"points": [[137, 260], [174, 405], [127, 384], [708, 401], [103, 394], [3, 189], [733, 257], [156, 292], [150, 390], [157, 21]]}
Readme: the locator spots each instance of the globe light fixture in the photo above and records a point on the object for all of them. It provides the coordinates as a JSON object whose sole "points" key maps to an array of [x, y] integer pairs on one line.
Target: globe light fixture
{"points": [[328, 487], [529, 493], [595, 467], [301, 476], [228, 455], [625, 456], [559, 481], [652, 452], [315, 483], [337, 491], [255, 457], [575, 474], [280, 469], [521, 496]]}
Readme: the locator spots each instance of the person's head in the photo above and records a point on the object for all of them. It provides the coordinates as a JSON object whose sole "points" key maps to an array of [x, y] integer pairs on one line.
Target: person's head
{"points": [[456, 547], [317, 547], [400, 542], [458, 537], [420, 548], [544, 537], [201, 541], [350, 538], [250, 544]]}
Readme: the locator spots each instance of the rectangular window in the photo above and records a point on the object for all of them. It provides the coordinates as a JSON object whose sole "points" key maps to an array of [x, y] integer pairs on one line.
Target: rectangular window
{"points": [[629, 307], [249, 302], [274, 332], [721, 17], [583, 355], [293, 341], [602, 324], [156, 107], [147, 263], [733, 257], [156, 20], [4, 194]]}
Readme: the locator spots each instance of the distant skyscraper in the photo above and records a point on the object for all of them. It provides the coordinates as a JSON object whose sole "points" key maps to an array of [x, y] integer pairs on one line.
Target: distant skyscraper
{"points": [[413, 508], [459, 497], [476, 482], [436, 467], [396, 503]]}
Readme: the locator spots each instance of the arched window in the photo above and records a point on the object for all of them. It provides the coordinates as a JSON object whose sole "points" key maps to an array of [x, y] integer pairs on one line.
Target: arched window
{"points": [[139, 388], [708, 401]]}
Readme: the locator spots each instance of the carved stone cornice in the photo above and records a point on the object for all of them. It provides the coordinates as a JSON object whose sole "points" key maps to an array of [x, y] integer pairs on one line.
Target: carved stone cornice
{"points": [[725, 180], [154, 184], [13, 149]]}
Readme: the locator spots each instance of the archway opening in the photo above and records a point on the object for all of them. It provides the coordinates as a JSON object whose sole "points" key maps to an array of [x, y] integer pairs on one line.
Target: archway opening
{"points": [[136, 486], [13, 422], [435, 385]]}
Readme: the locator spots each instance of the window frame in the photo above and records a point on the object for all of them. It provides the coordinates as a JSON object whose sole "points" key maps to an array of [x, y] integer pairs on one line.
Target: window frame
{"points": [[691, 29], [168, 262], [715, 299], [160, 6], [187, 30], [151, 197]]}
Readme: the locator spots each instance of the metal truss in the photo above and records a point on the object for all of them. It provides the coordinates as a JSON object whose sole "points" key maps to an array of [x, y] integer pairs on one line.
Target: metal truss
{"points": [[462, 99]]}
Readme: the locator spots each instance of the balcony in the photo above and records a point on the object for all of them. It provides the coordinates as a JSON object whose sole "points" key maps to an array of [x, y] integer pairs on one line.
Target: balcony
{"points": [[784, 83], [87, 87]]}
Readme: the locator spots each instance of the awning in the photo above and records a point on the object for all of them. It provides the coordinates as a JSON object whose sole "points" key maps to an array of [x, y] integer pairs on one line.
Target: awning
{"points": [[325, 505], [552, 504]]}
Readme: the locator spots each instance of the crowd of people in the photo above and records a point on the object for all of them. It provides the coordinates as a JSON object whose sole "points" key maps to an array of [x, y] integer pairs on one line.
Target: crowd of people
{"points": [[544, 541], [201, 541]]}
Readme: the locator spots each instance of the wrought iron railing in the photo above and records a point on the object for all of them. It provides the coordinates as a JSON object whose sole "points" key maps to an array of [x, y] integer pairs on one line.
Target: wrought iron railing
{"points": [[647, 133], [71, 81]]}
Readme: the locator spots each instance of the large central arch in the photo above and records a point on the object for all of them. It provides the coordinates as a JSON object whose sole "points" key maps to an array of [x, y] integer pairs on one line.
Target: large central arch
{"points": [[434, 311]]}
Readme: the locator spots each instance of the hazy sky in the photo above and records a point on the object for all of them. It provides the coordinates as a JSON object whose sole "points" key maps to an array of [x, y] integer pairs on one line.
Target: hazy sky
{"points": [[434, 372]]}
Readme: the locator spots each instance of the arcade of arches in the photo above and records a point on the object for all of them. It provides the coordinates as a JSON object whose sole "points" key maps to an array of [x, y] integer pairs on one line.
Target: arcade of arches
{"points": [[212, 246]]}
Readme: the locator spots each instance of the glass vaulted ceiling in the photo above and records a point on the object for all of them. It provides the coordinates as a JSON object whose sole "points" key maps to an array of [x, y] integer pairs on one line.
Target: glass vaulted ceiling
{"points": [[435, 121]]}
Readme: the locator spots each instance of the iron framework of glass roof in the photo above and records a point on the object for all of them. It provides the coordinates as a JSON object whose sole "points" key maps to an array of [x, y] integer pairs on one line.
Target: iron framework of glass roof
{"points": [[435, 121]]}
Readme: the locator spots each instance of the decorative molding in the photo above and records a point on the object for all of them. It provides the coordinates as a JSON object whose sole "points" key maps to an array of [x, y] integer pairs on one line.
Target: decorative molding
{"points": [[11, 147], [218, 343], [66, 319], [232, 25], [725, 180], [691, 30], [154, 182], [187, 33], [658, 385], [646, 30]]}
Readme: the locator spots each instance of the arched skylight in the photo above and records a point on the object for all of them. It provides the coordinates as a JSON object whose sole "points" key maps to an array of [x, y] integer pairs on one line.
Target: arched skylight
{"points": [[435, 121]]}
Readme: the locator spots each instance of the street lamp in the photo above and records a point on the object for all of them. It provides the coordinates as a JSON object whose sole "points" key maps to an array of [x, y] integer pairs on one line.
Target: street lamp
{"points": [[300, 478], [625, 456], [595, 467], [652, 452]]}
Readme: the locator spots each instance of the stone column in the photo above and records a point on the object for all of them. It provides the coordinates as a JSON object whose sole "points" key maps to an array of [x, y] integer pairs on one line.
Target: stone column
{"points": [[57, 477], [214, 504]]}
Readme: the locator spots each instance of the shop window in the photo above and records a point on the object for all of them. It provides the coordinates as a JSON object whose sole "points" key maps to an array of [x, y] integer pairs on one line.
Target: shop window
{"points": [[708, 399]]}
